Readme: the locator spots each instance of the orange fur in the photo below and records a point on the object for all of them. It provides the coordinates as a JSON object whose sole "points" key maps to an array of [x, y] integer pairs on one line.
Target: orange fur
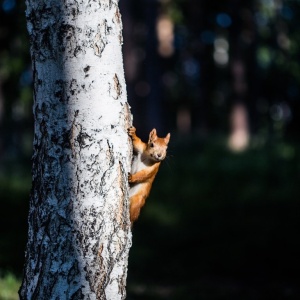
{"points": [[146, 162]]}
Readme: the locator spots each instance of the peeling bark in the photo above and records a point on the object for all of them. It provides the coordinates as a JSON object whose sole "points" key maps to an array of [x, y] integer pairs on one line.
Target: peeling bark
{"points": [[79, 229]]}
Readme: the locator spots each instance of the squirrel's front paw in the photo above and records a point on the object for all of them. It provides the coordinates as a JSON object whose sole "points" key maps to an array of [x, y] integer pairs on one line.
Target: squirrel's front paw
{"points": [[129, 177], [131, 131]]}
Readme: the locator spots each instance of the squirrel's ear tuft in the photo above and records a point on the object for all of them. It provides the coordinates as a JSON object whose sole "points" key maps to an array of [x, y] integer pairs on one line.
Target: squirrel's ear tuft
{"points": [[152, 134], [167, 138]]}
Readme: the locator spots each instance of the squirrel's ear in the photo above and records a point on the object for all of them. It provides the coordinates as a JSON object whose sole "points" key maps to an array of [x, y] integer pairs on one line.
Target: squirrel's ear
{"points": [[152, 134], [167, 138]]}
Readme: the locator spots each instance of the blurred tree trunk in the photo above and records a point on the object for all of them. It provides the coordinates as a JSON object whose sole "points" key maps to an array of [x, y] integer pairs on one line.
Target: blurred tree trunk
{"points": [[243, 43], [79, 230], [153, 113], [1, 115]]}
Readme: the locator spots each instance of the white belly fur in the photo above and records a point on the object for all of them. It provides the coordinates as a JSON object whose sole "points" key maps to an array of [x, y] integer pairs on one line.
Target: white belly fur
{"points": [[137, 165]]}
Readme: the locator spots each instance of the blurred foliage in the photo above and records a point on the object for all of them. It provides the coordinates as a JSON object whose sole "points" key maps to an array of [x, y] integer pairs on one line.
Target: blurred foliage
{"points": [[14, 191], [9, 286], [199, 74], [15, 84], [15, 69]]}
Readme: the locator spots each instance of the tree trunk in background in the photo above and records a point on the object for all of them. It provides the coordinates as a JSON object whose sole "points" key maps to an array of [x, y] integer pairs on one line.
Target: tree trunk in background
{"points": [[154, 100], [79, 230], [1, 115]]}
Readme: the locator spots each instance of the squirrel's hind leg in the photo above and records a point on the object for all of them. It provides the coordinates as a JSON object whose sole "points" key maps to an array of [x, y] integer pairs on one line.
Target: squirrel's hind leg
{"points": [[136, 203]]}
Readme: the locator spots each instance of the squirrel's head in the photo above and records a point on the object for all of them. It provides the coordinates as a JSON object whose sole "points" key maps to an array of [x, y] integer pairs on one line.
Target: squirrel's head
{"points": [[157, 147]]}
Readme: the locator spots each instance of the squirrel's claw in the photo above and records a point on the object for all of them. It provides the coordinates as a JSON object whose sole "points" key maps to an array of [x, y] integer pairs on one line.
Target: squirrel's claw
{"points": [[131, 130], [129, 177]]}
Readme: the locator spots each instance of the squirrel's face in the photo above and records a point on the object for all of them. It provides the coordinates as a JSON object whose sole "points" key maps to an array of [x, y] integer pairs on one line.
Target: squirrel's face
{"points": [[157, 147]]}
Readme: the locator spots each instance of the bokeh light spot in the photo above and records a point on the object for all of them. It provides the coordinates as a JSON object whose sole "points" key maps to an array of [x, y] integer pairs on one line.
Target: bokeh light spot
{"points": [[223, 20], [8, 5]]}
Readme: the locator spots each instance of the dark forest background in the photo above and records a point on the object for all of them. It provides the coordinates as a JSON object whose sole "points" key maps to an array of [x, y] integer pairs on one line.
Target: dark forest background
{"points": [[222, 221]]}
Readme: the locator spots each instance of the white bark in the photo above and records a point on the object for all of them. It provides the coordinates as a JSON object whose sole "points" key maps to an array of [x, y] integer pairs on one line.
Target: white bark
{"points": [[79, 230]]}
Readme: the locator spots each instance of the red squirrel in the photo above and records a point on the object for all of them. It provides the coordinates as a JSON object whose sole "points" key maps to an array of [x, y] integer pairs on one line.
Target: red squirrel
{"points": [[146, 160]]}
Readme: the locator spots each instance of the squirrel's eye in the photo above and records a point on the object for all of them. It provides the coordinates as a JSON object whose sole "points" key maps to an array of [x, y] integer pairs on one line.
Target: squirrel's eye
{"points": [[151, 145]]}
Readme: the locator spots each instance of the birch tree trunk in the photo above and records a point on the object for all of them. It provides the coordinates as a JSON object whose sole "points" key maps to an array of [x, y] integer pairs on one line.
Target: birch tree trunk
{"points": [[79, 229]]}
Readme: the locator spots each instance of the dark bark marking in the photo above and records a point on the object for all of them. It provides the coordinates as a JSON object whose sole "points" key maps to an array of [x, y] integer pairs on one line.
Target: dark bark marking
{"points": [[107, 5], [78, 295], [86, 69], [128, 116], [100, 40], [74, 87], [118, 21], [116, 89], [67, 32], [77, 50], [117, 16], [46, 38], [73, 8], [81, 139], [59, 91], [122, 213]]}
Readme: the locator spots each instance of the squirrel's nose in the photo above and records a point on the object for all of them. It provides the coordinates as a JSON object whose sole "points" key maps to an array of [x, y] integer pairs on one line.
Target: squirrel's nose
{"points": [[159, 155]]}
